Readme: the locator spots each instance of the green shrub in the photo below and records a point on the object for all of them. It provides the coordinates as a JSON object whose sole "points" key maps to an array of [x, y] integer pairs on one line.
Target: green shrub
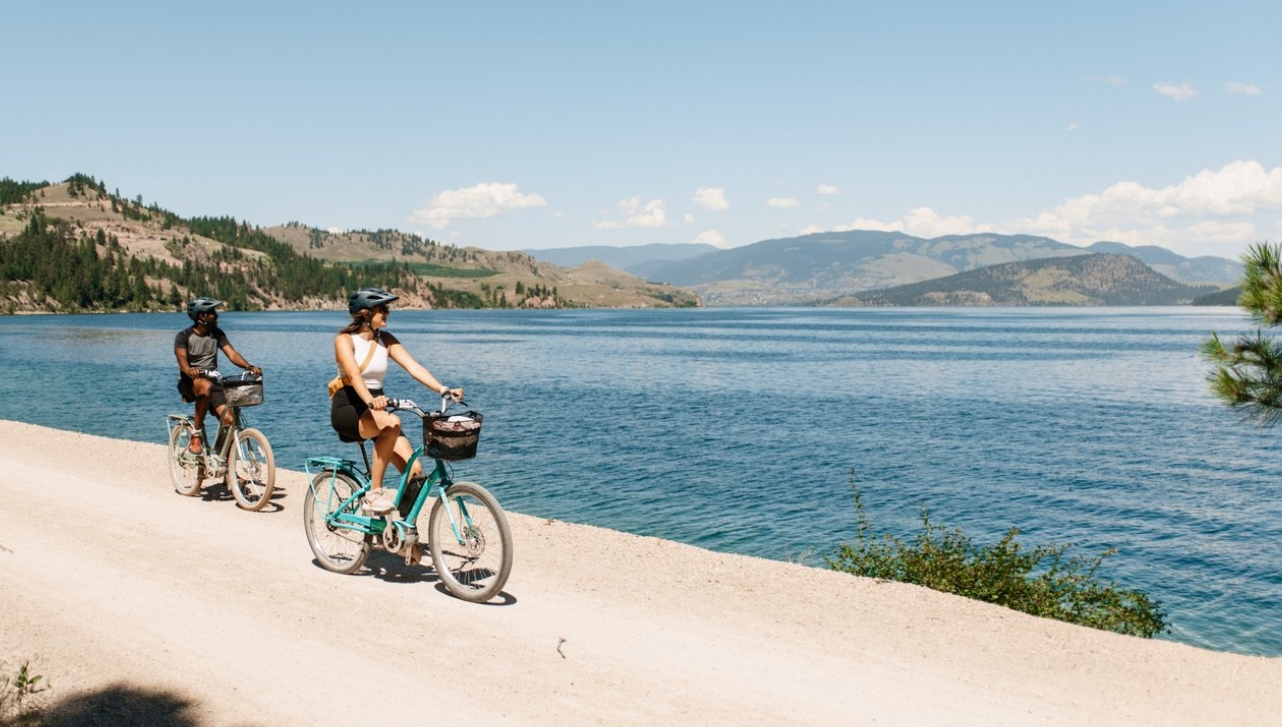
{"points": [[1042, 581]]}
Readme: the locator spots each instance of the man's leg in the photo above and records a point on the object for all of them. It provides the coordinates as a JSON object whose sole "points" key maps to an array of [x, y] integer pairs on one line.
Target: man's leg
{"points": [[201, 388]]}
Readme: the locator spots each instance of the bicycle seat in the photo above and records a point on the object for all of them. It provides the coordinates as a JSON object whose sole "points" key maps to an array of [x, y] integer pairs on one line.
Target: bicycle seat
{"points": [[345, 438]]}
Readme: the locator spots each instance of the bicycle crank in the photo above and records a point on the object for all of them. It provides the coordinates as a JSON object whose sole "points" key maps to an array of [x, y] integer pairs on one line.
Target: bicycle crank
{"points": [[413, 554], [393, 538]]}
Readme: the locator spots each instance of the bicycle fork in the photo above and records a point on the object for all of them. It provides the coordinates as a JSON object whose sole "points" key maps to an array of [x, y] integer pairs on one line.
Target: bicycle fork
{"points": [[464, 532]]}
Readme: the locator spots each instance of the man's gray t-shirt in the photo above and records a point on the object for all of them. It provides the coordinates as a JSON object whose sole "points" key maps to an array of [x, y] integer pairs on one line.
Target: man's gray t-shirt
{"points": [[202, 351]]}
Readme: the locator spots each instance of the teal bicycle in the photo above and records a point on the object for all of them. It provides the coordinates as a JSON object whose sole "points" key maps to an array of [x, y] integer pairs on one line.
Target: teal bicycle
{"points": [[468, 537]]}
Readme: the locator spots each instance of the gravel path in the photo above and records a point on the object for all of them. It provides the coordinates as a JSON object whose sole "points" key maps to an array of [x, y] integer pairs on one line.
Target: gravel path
{"points": [[141, 606]]}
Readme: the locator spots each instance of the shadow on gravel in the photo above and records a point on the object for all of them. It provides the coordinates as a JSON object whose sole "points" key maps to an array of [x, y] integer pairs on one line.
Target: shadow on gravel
{"points": [[391, 568], [216, 493], [118, 706]]}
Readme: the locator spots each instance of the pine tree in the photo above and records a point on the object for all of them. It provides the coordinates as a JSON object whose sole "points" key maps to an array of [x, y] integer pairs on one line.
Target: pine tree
{"points": [[1248, 374]]}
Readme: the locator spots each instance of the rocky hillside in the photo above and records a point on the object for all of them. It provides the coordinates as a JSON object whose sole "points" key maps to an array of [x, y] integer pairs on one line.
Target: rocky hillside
{"points": [[75, 246]]}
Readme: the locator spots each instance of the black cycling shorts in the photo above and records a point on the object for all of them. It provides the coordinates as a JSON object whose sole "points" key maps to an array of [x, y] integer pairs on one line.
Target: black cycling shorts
{"points": [[216, 397], [345, 411]]}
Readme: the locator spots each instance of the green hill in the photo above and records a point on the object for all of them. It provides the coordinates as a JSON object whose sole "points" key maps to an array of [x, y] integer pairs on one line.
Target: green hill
{"points": [[75, 246]]}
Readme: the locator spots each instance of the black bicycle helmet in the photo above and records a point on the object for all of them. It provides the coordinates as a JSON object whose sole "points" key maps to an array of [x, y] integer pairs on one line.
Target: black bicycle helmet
{"points": [[367, 298], [202, 305]]}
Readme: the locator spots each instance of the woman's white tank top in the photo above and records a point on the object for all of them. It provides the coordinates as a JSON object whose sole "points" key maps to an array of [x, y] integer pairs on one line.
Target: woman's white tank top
{"points": [[376, 371]]}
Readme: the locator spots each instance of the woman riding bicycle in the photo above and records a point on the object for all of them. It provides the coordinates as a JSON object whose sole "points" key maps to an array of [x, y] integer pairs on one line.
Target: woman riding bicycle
{"points": [[359, 410]]}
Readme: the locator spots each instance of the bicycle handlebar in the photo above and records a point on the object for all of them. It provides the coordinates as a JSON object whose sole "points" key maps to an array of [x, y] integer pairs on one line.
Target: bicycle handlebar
{"points": [[447, 400]]}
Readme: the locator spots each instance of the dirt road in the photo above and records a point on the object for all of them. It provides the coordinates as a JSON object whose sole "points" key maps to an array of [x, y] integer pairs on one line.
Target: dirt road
{"points": [[145, 607]]}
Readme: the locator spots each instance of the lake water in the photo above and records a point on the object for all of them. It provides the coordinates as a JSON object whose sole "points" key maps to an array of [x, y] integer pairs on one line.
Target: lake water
{"points": [[738, 429]]}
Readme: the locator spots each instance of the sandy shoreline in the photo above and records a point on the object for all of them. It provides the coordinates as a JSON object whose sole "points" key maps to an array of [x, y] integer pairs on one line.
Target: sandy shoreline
{"points": [[134, 600]]}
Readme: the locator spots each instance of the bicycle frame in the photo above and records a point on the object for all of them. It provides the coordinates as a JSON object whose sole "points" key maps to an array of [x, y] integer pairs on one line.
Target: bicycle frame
{"points": [[227, 434], [346, 514]]}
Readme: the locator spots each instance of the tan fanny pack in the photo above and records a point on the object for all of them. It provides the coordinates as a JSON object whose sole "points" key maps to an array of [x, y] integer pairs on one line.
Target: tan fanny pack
{"points": [[339, 382]]}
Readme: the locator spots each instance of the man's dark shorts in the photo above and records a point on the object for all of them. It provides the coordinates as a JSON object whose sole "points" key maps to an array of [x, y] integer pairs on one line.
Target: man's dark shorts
{"points": [[216, 397]]}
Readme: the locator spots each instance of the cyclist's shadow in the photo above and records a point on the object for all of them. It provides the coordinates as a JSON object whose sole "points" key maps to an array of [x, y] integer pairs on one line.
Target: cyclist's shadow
{"points": [[220, 493], [391, 568], [216, 493]]}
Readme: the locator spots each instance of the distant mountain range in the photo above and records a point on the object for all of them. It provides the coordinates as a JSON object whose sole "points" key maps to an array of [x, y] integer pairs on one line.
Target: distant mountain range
{"points": [[640, 260], [832, 265], [73, 246], [1091, 280]]}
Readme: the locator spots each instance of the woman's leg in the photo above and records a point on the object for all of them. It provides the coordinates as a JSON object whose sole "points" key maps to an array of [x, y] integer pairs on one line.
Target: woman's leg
{"points": [[384, 429], [401, 454]]}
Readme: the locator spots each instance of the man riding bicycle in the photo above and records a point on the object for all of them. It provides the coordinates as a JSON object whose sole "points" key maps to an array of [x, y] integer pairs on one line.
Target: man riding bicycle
{"points": [[196, 348]]}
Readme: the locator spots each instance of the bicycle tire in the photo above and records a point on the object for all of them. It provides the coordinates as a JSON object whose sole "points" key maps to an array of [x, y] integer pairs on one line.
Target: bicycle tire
{"points": [[185, 474], [336, 549], [251, 470], [477, 568]]}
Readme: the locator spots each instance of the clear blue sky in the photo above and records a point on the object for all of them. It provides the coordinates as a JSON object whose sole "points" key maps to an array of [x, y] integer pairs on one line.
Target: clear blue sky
{"points": [[555, 124]]}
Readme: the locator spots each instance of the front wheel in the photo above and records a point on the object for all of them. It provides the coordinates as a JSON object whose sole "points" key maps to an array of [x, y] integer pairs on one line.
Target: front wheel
{"points": [[186, 470], [251, 470], [337, 548], [470, 541]]}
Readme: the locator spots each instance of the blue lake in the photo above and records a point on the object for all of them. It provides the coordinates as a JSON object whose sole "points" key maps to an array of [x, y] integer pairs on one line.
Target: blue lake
{"points": [[738, 429]]}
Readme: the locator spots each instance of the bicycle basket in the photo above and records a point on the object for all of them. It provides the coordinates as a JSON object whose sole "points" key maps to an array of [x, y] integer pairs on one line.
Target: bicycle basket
{"points": [[452, 436], [243, 391]]}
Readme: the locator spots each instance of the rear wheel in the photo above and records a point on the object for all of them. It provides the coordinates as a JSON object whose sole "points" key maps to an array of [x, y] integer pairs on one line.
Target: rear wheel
{"points": [[251, 470], [336, 548], [186, 470], [474, 563]]}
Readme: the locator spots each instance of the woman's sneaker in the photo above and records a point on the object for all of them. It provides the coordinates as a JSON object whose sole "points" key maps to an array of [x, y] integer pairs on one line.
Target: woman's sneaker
{"points": [[377, 502]]}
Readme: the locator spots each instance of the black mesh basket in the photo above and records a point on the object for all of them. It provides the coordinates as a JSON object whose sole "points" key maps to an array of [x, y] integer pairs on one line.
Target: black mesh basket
{"points": [[452, 436], [243, 391]]}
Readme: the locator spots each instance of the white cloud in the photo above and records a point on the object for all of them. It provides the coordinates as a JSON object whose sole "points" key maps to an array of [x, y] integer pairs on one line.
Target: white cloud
{"points": [[1246, 89], [828, 189], [714, 238], [921, 222], [473, 203], [1205, 212], [687, 219], [636, 214], [1182, 92], [811, 229], [1213, 212], [782, 202], [712, 198], [1072, 126]]}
